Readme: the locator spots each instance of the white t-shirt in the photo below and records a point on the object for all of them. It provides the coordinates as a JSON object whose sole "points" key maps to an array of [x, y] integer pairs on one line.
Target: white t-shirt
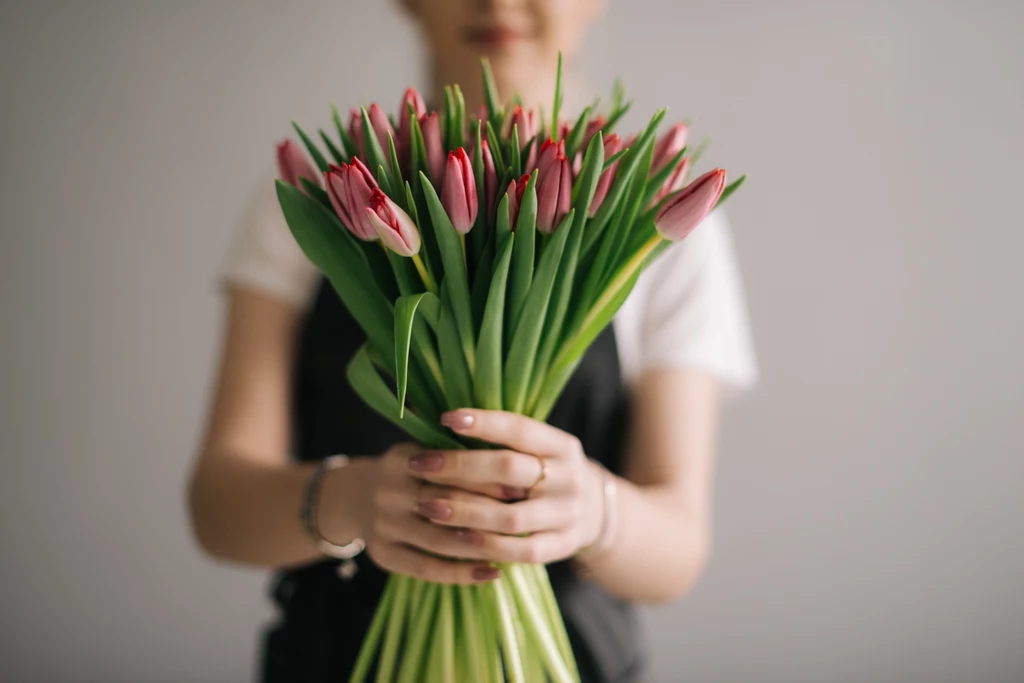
{"points": [[687, 309]]}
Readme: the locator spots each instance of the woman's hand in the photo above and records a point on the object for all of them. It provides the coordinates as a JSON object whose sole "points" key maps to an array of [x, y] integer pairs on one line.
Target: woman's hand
{"points": [[397, 537], [563, 509]]}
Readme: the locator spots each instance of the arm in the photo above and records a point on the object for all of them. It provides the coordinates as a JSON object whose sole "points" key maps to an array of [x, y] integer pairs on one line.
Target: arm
{"points": [[662, 533]]}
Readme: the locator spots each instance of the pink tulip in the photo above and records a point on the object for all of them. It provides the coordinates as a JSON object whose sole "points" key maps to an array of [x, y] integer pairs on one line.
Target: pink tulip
{"points": [[687, 208], [483, 113], [515, 193], [676, 181], [612, 145], [549, 153], [554, 193], [458, 196], [671, 144], [355, 129], [350, 188], [412, 99], [292, 164], [431, 126], [594, 126], [523, 121], [393, 226], [381, 127], [490, 176]]}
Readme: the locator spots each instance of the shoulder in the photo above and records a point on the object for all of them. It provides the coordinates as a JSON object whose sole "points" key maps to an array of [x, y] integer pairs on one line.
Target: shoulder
{"points": [[264, 256]]}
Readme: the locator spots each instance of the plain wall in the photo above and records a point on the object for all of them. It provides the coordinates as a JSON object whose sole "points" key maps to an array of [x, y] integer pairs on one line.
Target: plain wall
{"points": [[869, 508]]}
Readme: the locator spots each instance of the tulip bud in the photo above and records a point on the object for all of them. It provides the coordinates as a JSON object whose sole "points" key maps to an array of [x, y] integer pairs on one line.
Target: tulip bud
{"points": [[687, 208], [431, 126], [355, 129], [676, 181], [393, 226], [381, 127], [292, 164], [671, 144], [490, 176], [350, 188], [549, 153], [414, 101], [515, 193], [612, 146], [458, 196], [594, 126], [554, 193], [523, 121]]}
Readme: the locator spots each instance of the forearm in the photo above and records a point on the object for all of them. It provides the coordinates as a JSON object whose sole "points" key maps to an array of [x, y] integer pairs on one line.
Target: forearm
{"points": [[248, 512], [658, 548]]}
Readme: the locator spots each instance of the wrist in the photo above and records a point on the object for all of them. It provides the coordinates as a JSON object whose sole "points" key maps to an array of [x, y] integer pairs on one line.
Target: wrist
{"points": [[600, 533], [343, 496]]}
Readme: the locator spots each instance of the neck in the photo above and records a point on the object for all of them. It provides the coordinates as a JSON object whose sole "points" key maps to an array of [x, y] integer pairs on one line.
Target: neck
{"points": [[536, 86]]}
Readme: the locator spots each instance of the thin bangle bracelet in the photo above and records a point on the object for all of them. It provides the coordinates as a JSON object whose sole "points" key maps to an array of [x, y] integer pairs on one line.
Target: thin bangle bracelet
{"points": [[310, 502], [607, 533]]}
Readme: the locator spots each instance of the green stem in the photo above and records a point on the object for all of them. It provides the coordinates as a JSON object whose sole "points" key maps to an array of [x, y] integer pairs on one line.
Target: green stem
{"points": [[369, 647], [550, 604], [537, 624], [507, 629], [416, 657], [396, 626], [470, 607], [424, 275]]}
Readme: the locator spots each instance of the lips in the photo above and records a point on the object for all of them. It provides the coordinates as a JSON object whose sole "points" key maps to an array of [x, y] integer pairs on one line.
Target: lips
{"points": [[494, 36]]}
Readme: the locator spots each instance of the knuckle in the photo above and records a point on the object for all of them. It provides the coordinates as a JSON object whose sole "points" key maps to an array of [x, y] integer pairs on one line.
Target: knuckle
{"points": [[507, 462], [531, 553], [575, 446], [511, 520]]}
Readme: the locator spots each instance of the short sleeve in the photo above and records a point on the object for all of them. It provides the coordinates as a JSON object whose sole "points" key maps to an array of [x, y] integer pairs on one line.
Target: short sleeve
{"points": [[688, 310], [266, 257]]}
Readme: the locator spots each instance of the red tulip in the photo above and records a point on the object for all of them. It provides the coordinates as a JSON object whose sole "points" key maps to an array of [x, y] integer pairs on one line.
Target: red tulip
{"points": [[525, 122], [687, 208], [381, 127], [431, 126], [355, 129], [554, 193], [676, 181], [515, 193], [612, 145], [412, 99], [350, 188], [292, 164], [549, 153], [671, 144], [458, 196], [594, 126], [393, 226]]}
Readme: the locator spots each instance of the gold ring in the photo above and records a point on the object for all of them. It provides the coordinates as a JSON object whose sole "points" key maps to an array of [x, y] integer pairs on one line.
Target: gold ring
{"points": [[542, 477]]}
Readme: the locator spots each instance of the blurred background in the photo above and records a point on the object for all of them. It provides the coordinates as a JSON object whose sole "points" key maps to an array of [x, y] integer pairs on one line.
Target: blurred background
{"points": [[869, 512]]}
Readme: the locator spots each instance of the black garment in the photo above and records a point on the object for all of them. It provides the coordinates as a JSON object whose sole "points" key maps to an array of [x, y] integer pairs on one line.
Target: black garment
{"points": [[323, 619]]}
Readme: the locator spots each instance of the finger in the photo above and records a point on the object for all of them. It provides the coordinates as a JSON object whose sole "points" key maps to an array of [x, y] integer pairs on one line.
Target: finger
{"points": [[539, 548], [414, 530], [477, 512], [404, 560], [467, 469], [518, 432]]}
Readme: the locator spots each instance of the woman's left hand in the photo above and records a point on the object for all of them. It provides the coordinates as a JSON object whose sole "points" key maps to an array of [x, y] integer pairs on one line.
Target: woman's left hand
{"points": [[562, 506]]}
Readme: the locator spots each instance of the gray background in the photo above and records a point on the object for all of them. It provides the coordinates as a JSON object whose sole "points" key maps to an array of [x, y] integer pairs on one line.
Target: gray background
{"points": [[869, 508]]}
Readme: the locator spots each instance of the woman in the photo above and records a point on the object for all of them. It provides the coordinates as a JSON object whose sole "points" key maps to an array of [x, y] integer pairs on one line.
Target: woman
{"points": [[643, 406]]}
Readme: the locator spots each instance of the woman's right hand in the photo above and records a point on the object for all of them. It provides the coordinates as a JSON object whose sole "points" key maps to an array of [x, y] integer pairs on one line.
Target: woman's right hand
{"points": [[397, 535]]}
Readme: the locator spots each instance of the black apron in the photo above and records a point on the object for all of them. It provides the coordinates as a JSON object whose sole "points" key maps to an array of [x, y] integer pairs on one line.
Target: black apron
{"points": [[322, 618]]}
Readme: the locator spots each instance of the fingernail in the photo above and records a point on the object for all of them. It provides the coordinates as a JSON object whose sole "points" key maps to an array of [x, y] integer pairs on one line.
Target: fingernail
{"points": [[426, 462], [435, 509], [470, 537], [513, 492], [457, 419], [486, 573]]}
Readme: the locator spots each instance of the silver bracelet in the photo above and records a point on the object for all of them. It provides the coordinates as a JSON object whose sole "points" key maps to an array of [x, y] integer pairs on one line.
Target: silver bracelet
{"points": [[607, 533], [310, 501]]}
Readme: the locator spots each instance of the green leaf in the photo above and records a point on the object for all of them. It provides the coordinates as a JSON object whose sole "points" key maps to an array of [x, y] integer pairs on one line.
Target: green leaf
{"points": [[456, 277], [526, 337], [375, 159], [405, 314], [495, 144], [351, 149], [314, 191], [487, 378], [523, 256], [557, 107], [396, 175], [616, 115], [613, 158], [336, 154], [373, 390], [579, 130], [459, 129], [494, 108], [659, 179], [314, 152], [329, 245], [517, 164], [729, 189], [586, 185], [383, 274], [458, 384]]}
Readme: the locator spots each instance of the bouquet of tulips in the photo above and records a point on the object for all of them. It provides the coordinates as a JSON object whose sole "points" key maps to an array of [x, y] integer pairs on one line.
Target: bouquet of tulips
{"points": [[481, 257]]}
